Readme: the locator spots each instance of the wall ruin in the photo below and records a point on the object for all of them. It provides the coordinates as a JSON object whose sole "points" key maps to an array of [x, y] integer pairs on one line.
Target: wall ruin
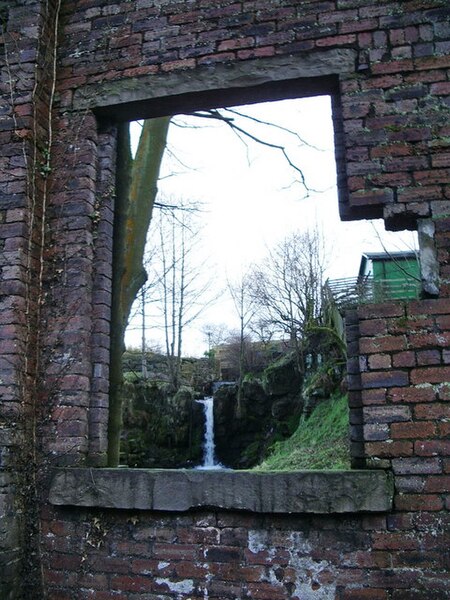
{"points": [[70, 71]]}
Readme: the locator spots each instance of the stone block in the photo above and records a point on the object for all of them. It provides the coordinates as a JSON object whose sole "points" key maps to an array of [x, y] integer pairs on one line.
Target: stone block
{"points": [[321, 492]]}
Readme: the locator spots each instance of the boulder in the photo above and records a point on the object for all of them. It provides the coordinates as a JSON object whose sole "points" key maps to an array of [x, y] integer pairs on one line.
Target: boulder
{"points": [[282, 377]]}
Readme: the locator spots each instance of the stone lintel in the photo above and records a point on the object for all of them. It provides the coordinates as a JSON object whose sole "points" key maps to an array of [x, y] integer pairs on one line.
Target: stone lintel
{"points": [[321, 492], [156, 94]]}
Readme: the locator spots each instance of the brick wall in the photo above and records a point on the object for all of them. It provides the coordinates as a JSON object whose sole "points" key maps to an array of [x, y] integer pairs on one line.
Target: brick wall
{"points": [[57, 178], [405, 383], [26, 66], [233, 555]]}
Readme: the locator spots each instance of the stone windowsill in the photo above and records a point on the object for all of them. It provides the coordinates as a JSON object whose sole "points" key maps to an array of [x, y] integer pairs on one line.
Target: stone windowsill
{"points": [[321, 492]]}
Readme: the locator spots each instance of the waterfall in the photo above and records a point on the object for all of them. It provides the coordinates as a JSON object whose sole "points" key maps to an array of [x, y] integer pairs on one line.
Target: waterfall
{"points": [[209, 460]]}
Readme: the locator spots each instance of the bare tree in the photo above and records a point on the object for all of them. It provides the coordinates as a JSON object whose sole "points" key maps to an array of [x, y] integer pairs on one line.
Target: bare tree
{"points": [[287, 287], [182, 290], [215, 334], [245, 309], [135, 200], [251, 130]]}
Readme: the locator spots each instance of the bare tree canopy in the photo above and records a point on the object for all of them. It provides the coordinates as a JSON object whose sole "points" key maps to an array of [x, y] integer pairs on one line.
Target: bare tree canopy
{"points": [[287, 286], [181, 289]]}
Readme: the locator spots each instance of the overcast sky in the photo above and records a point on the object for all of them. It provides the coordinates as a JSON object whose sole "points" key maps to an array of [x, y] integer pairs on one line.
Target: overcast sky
{"points": [[251, 200]]}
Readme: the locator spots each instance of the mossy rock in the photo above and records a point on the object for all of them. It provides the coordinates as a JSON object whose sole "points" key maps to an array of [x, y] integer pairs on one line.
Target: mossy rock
{"points": [[282, 377], [160, 430]]}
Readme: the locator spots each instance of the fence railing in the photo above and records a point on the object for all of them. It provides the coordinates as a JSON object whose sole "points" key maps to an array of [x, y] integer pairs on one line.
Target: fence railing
{"points": [[353, 291]]}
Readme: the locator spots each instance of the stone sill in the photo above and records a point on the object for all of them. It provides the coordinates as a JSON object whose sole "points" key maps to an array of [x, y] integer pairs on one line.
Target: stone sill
{"points": [[321, 492]]}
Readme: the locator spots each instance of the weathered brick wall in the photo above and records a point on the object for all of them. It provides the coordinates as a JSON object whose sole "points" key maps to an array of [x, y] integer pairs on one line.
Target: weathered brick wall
{"points": [[390, 63], [27, 67], [233, 555], [405, 383]]}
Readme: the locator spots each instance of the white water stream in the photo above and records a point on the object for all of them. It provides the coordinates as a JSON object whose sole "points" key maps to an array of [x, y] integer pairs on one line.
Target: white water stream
{"points": [[209, 459]]}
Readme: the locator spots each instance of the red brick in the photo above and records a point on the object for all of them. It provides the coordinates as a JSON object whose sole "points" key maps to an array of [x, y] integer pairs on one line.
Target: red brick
{"points": [[428, 357], [133, 583], [438, 484], [432, 176], [411, 394], [389, 449], [432, 448], [429, 340], [95, 581], [416, 502], [404, 359], [416, 465], [379, 311], [188, 570], [337, 40], [430, 375], [394, 541], [443, 322], [379, 361], [370, 197], [374, 397], [385, 379], [443, 429], [234, 44], [432, 62], [386, 414], [444, 392], [440, 89], [375, 345], [372, 327], [432, 411], [423, 429], [185, 63], [169, 552]]}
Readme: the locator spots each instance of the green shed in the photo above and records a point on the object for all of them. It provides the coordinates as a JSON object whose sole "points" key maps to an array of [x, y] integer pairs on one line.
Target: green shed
{"points": [[393, 275]]}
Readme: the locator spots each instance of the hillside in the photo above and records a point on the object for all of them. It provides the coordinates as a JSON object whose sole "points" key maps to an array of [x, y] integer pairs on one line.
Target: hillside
{"points": [[319, 442]]}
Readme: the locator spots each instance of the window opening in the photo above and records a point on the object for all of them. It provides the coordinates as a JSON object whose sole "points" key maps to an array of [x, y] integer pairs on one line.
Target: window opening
{"points": [[212, 287]]}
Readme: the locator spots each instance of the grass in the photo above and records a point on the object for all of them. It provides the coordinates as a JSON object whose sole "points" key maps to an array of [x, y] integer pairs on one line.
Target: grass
{"points": [[320, 442]]}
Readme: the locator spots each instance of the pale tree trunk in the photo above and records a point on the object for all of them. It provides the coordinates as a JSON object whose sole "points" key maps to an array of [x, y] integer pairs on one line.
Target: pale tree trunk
{"points": [[180, 316], [144, 370], [136, 189], [241, 368], [244, 307]]}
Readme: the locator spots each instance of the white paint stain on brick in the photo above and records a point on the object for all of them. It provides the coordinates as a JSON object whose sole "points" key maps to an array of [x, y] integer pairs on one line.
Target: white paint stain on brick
{"points": [[185, 586], [258, 541], [307, 571]]}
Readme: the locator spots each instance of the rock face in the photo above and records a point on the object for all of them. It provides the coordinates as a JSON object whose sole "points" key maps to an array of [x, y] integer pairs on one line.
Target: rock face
{"points": [[161, 430], [265, 417], [166, 431], [282, 378]]}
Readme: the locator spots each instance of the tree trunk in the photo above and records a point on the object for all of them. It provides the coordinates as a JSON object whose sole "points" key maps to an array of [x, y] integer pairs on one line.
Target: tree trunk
{"points": [[136, 189]]}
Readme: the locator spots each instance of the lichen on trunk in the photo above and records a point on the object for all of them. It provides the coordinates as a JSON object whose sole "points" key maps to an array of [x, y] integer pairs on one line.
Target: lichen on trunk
{"points": [[136, 189]]}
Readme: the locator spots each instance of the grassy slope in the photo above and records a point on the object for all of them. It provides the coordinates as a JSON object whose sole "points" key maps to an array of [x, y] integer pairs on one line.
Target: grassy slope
{"points": [[321, 442]]}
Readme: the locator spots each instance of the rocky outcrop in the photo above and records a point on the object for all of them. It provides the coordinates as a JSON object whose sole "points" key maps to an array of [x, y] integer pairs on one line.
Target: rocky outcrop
{"points": [[242, 441], [282, 378], [161, 430]]}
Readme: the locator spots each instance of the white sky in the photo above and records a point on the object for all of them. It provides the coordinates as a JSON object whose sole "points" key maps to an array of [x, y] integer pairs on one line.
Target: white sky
{"points": [[250, 200]]}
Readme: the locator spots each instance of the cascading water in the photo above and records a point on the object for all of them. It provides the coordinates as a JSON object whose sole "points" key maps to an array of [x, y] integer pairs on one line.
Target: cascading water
{"points": [[209, 459]]}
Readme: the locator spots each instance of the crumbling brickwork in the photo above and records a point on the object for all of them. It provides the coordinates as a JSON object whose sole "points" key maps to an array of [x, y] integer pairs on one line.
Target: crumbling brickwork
{"points": [[70, 71]]}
